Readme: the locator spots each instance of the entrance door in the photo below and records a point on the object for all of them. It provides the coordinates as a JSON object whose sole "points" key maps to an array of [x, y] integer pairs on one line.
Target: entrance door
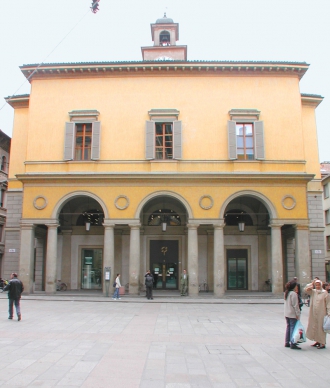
{"points": [[91, 269], [164, 256], [237, 276]]}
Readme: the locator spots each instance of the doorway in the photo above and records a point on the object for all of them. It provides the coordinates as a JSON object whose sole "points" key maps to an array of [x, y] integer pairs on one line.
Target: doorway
{"points": [[237, 274], [164, 257], [91, 269]]}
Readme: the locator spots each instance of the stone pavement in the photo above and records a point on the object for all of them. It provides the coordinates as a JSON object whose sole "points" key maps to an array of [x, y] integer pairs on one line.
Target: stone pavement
{"points": [[131, 343]]}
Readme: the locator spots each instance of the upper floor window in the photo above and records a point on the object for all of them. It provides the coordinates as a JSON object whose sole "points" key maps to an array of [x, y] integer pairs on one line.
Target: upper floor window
{"points": [[164, 141], [163, 135], [83, 141], [327, 216], [245, 141], [326, 190], [328, 242], [82, 136], [245, 135], [3, 163], [2, 198]]}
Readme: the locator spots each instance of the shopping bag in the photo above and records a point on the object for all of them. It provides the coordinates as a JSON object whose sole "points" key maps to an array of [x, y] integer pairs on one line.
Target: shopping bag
{"points": [[298, 335], [326, 324]]}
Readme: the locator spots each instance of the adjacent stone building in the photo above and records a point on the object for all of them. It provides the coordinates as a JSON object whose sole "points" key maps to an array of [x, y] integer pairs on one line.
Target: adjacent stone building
{"points": [[4, 159], [166, 164]]}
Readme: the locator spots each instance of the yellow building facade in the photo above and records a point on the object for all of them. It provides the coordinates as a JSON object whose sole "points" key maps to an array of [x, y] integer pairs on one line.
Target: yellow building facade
{"points": [[165, 164]]}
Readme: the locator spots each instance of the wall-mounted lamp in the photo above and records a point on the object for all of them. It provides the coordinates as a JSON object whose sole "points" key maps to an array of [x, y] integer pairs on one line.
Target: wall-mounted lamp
{"points": [[164, 224], [88, 226], [241, 226]]}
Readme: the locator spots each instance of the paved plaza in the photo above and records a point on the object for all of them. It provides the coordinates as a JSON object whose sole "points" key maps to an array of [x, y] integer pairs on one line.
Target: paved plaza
{"points": [[131, 343]]}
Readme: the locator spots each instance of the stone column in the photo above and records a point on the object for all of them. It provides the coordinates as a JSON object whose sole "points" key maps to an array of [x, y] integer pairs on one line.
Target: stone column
{"points": [[277, 259], [51, 259], [26, 258], [134, 260], [210, 256], [219, 261], [108, 254], [192, 260], [66, 257], [302, 255]]}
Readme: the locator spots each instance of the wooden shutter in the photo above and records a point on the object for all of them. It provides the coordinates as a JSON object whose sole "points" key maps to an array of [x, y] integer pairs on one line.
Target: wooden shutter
{"points": [[177, 140], [69, 141], [150, 140], [96, 140], [232, 148], [259, 145]]}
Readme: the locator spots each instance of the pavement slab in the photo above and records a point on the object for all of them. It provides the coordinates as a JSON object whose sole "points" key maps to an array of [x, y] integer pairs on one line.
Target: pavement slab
{"points": [[185, 343]]}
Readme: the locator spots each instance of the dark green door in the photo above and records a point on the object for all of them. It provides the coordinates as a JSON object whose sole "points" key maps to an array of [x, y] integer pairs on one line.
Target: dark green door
{"points": [[164, 255], [237, 274]]}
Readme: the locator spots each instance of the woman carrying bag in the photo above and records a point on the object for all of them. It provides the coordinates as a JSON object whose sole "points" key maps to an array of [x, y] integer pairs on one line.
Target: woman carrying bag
{"points": [[319, 308], [291, 312]]}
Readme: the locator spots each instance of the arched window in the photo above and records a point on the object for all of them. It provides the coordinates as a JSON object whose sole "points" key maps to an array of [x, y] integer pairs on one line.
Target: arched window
{"points": [[164, 38], [3, 163]]}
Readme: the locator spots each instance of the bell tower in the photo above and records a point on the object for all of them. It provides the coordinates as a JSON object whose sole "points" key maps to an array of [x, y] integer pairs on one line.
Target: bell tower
{"points": [[165, 34]]}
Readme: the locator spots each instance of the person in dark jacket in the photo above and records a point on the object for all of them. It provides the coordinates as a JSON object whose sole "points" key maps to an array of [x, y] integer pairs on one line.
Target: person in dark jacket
{"points": [[15, 288], [149, 282]]}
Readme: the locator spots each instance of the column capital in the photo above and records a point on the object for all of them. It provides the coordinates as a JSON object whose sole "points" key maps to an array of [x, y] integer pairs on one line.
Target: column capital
{"points": [[275, 226], [134, 226], [25, 226], [219, 225], [108, 225], [52, 226], [192, 226]]}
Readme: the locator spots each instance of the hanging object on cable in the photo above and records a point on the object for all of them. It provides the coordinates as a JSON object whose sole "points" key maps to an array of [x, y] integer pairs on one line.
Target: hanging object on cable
{"points": [[95, 6]]}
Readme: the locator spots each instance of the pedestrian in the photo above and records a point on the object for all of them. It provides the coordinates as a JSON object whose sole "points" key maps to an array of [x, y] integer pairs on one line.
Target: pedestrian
{"points": [[149, 282], [184, 283], [15, 288], [319, 307], [291, 312], [325, 286], [118, 285]]}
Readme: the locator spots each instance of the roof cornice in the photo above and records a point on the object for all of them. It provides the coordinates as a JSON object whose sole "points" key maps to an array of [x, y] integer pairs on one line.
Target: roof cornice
{"points": [[19, 101], [221, 68], [311, 99]]}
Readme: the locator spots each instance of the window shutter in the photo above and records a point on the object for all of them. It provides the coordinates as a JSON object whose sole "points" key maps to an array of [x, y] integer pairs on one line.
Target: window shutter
{"points": [[259, 140], [150, 140], [232, 148], [69, 141], [177, 140], [96, 140]]}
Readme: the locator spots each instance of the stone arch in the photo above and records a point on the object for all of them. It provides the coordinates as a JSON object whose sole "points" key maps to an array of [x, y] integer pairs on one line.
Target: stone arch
{"points": [[74, 194], [250, 193], [161, 194]]}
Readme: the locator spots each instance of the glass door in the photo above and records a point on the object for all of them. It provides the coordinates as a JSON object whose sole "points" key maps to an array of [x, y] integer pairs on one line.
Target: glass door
{"points": [[237, 278], [164, 263], [91, 269]]}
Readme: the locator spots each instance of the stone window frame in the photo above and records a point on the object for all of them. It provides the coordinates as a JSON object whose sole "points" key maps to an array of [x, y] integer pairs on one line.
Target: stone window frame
{"points": [[163, 116], [246, 116], [82, 117]]}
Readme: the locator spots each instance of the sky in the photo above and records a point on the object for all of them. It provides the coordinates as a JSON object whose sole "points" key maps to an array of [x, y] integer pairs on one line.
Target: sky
{"points": [[52, 31]]}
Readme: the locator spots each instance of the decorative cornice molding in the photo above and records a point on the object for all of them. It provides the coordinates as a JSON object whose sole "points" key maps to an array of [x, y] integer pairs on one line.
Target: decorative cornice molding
{"points": [[101, 69], [311, 99], [19, 101], [25, 178]]}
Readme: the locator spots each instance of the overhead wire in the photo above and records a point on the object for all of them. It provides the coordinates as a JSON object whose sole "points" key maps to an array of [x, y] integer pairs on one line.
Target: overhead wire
{"points": [[43, 61]]}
